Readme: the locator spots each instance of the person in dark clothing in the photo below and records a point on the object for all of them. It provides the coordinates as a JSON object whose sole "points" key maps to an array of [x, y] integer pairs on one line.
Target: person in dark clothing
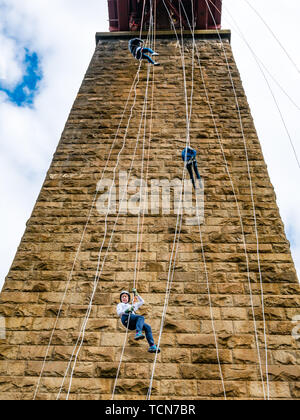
{"points": [[189, 157], [136, 48]]}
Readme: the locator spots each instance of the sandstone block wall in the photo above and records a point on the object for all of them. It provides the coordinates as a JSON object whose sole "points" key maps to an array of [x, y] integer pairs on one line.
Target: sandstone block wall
{"points": [[187, 366]]}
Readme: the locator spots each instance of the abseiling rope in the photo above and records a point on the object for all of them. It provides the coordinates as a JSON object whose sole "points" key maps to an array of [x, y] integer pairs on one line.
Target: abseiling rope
{"points": [[149, 141], [138, 239], [137, 267], [97, 277], [133, 88], [188, 140], [96, 281], [271, 91], [142, 21], [135, 274], [230, 178], [254, 213], [170, 283], [258, 60], [198, 219], [177, 230], [98, 274], [259, 63], [274, 36]]}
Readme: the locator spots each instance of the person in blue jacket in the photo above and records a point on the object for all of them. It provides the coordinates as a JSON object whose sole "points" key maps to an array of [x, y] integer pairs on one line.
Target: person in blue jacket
{"points": [[189, 157], [136, 48]]}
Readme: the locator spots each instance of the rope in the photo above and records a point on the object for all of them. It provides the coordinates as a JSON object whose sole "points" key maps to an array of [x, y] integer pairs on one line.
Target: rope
{"points": [[188, 141], [273, 34], [177, 231], [170, 283], [133, 87], [141, 189], [150, 136], [125, 339], [137, 267], [240, 34], [98, 274], [254, 215], [271, 91], [121, 358], [277, 83], [200, 231], [97, 277], [142, 21]]}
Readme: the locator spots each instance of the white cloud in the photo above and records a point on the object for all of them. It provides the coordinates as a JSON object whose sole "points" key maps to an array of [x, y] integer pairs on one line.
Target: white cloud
{"points": [[11, 63]]}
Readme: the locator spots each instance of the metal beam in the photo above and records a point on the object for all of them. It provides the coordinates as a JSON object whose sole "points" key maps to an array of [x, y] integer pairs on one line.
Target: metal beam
{"points": [[176, 12], [123, 15], [202, 14]]}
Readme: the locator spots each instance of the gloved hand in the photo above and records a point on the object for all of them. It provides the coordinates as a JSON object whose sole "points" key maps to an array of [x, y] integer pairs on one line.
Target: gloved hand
{"points": [[134, 291]]}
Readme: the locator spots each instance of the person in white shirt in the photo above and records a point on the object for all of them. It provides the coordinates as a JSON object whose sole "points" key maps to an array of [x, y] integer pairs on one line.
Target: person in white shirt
{"points": [[126, 311]]}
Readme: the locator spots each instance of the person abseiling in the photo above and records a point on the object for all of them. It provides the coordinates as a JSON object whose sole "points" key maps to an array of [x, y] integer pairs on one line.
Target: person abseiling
{"points": [[189, 157], [130, 320], [136, 48]]}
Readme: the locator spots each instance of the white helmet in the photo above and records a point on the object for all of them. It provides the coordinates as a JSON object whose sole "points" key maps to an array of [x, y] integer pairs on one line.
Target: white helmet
{"points": [[124, 292]]}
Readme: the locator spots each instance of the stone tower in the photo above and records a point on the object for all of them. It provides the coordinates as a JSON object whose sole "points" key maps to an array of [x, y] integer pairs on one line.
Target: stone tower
{"points": [[216, 333]]}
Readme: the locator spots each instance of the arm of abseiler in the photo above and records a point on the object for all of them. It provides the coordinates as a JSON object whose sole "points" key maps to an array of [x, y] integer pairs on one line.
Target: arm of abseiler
{"points": [[139, 303]]}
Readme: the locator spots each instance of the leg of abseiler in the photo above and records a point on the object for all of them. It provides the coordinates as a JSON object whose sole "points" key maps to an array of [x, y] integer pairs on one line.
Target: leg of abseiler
{"points": [[139, 323], [197, 173], [139, 327], [150, 51], [196, 169], [149, 335], [145, 56], [190, 169]]}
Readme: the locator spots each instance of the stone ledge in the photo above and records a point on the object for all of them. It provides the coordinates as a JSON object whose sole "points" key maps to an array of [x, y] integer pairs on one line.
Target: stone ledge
{"points": [[224, 34]]}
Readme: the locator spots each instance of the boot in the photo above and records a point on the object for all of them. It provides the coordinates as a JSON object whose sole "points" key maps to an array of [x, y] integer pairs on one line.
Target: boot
{"points": [[139, 336], [153, 349]]}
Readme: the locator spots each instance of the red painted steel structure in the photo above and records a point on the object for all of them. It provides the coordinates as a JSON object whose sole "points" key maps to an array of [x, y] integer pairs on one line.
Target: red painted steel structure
{"points": [[126, 15]]}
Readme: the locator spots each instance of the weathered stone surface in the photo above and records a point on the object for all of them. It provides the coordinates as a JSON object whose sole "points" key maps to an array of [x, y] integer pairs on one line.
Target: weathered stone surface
{"points": [[215, 313]]}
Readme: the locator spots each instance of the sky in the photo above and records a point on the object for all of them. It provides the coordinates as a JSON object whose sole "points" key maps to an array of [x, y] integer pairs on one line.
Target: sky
{"points": [[45, 49]]}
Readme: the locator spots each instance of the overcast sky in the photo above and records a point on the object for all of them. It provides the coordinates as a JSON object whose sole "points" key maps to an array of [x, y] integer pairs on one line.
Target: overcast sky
{"points": [[45, 48]]}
